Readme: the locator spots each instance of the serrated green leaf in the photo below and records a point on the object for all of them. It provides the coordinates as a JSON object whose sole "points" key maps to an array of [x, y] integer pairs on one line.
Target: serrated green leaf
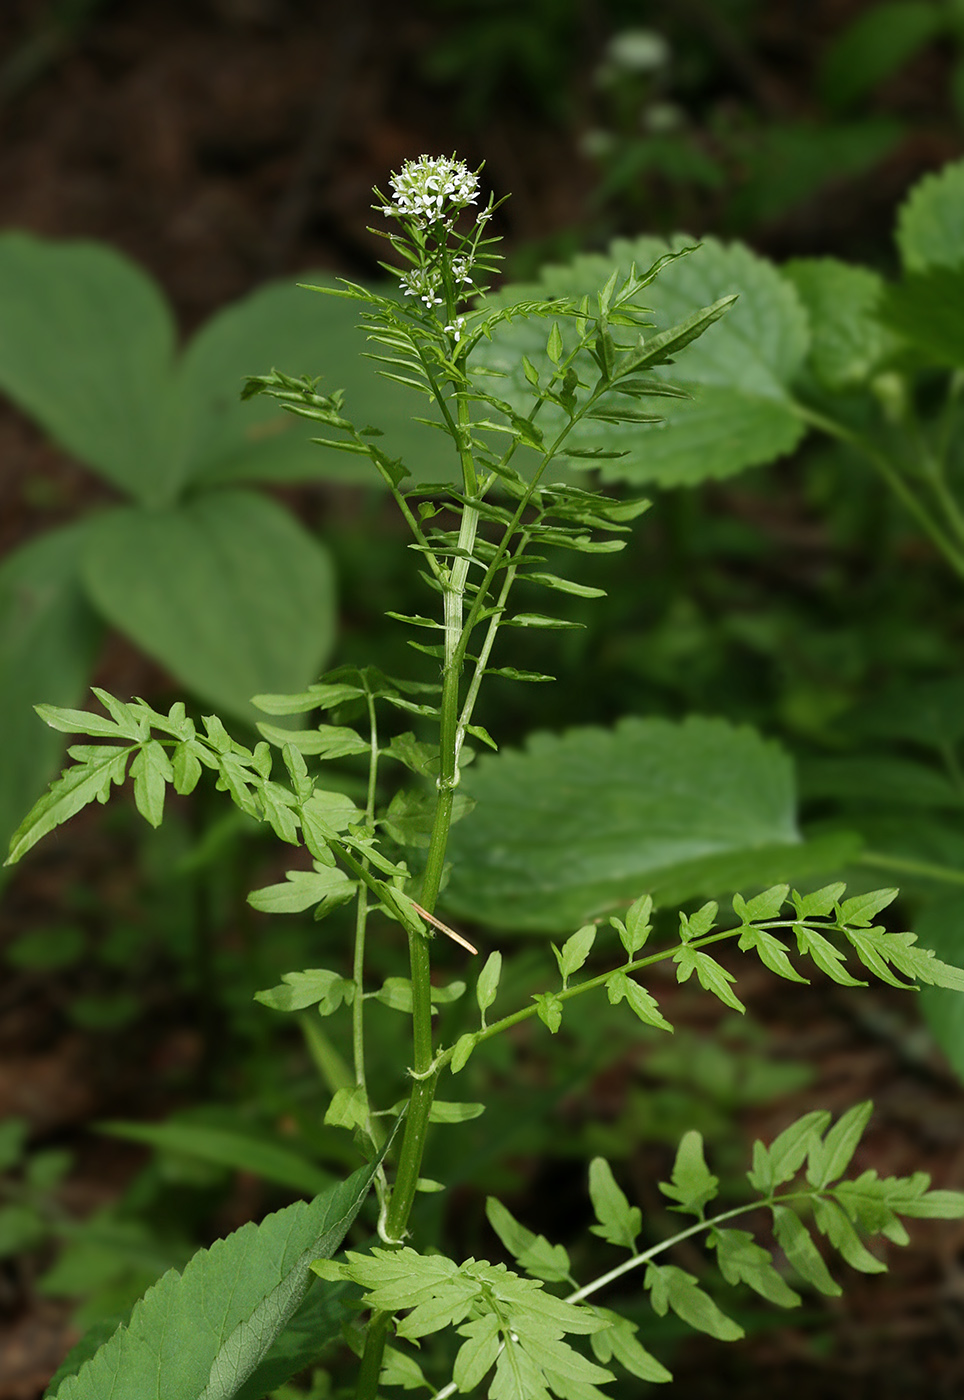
{"points": [[641, 805], [740, 412], [920, 310], [619, 1222], [349, 1108], [619, 1341], [929, 232], [848, 342], [554, 345], [202, 1334], [327, 742]]}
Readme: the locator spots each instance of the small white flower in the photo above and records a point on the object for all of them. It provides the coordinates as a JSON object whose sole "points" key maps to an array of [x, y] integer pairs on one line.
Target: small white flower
{"points": [[432, 190], [455, 331]]}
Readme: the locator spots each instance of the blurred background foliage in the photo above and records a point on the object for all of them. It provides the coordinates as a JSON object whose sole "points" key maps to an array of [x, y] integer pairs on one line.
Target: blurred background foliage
{"points": [[223, 144]]}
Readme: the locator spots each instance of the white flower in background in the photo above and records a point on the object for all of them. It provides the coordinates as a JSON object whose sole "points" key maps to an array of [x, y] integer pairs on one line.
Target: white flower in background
{"points": [[432, 189]]}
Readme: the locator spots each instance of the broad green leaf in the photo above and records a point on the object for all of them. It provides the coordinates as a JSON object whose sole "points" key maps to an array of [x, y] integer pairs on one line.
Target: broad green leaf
{"points": [[923, 310], [619, 1222], [795, 1241], [289, 327], [202, 1334], [671, 1287], [740, 413], [847, 342], [227, 591], [227, 1148], [930, 229], [577, 824], [86, 348], [877, 43], [48, 643]]}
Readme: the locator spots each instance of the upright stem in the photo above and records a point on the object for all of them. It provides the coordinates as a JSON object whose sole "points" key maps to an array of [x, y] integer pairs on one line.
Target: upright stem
{"points": [[424, 1069]]}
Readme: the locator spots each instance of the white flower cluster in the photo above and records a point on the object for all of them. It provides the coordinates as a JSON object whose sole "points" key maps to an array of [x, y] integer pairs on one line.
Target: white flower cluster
{"points": [[432, 189], [426, 282]]}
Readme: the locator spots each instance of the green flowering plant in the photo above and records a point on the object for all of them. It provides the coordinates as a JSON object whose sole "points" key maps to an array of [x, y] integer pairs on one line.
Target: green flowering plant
{"points": [[242, 1317]]}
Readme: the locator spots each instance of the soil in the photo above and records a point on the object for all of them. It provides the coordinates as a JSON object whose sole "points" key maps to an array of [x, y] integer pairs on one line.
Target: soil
{"points": [[223, 142]]}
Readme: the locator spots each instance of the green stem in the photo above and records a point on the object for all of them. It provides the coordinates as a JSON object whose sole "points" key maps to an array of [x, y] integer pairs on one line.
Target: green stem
{"points": [[628, 1264], [425, 1069]]}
